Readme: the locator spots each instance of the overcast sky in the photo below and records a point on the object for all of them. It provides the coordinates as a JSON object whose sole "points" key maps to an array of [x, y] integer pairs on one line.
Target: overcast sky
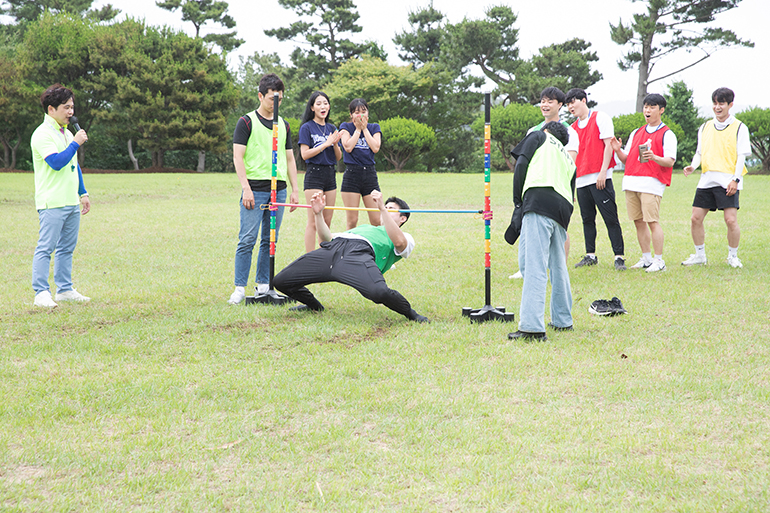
{"points": [[745, 70]]}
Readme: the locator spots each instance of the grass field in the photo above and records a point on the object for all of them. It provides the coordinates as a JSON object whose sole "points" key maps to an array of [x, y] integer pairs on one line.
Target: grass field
{"points": [[158, 396]]}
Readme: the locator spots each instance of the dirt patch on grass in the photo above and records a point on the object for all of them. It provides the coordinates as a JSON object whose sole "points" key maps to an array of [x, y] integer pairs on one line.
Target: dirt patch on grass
{"points": [[23, 474], [239, 326], [354, 339]]}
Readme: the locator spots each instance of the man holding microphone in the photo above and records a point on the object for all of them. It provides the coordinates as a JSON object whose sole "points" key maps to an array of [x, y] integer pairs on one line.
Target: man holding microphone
{"points": [[60, 197]]}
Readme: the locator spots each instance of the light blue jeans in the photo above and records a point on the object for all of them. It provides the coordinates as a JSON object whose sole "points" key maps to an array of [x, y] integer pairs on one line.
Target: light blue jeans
{"points": [[541, 248], [58, 232], [247, 238]]}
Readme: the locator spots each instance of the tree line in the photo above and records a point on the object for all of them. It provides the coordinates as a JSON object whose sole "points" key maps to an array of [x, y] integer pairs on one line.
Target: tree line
{"points": [[158, 97]]}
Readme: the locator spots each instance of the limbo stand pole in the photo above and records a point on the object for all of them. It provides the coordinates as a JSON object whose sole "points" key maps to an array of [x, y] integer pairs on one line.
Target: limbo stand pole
{"points": [[272, 297], [488, 312]]}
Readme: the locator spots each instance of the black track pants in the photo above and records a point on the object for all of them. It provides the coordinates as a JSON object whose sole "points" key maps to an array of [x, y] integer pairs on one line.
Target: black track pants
{"points": [[347, 261], [590, 199]]}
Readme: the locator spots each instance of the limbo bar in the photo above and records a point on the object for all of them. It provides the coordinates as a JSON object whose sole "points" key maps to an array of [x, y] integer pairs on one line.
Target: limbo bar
{"points": [[363, 209]]}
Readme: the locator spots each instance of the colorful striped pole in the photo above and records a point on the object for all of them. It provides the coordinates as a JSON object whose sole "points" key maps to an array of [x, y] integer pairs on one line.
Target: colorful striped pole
{"points": [[274, 187], [271, 296], [488, 312]]}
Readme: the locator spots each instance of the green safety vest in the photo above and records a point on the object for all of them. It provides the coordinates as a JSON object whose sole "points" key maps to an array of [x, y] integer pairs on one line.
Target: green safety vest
{"points": [[53, 189], [258, 158], [551, 166]]}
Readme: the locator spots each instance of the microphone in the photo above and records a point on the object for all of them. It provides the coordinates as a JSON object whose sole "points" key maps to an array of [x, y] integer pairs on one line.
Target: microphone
{"points": [[74, 122]]}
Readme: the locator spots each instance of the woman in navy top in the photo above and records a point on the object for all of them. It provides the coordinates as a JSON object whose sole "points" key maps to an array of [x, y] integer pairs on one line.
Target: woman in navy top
{"points": [[318, 139], [360, 140]]}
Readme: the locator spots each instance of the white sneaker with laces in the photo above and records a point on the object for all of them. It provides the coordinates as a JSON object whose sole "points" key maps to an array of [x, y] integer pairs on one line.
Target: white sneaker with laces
{"points": [[72, 295], [734, 262], [641, 264], [262, 288], [657, 265], [44, 299], [695, 260], [516, 276], [238, 295]]}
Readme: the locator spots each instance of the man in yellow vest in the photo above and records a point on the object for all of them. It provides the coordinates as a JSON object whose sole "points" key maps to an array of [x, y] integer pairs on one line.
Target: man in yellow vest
{"points": [[543, 197], [60, 197], [357, 258], [723, 145], [253, 159]]}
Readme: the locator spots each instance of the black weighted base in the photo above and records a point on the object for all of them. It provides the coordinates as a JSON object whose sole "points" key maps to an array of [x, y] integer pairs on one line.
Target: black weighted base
{"points": [[271, 297], [488, 313]]}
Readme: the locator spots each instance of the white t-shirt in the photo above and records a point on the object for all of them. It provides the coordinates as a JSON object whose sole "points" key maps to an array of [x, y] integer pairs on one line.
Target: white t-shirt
{"points": [[606, 131], [715, 178], [650, 184]]}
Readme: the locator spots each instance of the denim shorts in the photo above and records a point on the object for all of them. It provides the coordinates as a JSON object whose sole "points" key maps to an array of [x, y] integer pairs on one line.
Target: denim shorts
{"points": [[360, 179], [322, 178]]}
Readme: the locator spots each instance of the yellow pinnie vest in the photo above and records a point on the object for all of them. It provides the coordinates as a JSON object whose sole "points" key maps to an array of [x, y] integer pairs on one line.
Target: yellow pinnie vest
{"points": [[258, 158], [719, 148], [53, 189], [551, 166]]}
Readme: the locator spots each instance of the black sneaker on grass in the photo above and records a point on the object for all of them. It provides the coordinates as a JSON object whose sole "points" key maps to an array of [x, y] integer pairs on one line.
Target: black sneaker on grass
{"points": [[620, 264], [305, 308], [527, 335], [587, 260], [607, 307]]}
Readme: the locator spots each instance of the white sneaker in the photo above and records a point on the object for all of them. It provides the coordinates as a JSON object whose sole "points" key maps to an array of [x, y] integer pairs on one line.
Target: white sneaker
{"points": [[238, 295], [641, 264], [516, 276], [695, 260], [734, 262], [44, 299], [656, 265], [262, 288], [72, 295]]}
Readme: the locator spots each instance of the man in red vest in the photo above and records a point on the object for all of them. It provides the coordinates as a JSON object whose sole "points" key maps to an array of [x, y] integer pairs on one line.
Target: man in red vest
{"points": [[594, 177], [649, 157]]}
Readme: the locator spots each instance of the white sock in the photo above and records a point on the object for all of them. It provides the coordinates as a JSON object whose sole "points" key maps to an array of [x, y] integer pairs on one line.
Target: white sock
{"points": [[700, 250], [647, 257], [659, 257], [732, 252], [242, 290]]}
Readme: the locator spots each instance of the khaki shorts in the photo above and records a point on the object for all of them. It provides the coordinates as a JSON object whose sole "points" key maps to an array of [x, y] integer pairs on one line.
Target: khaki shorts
{"points": [[643, 206]]}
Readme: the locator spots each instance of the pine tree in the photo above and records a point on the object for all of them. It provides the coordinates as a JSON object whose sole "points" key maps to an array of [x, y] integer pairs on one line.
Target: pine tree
{"points": [[669, 26]]}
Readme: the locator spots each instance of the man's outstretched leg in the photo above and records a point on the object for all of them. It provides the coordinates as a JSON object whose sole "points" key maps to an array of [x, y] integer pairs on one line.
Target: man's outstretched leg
{"points": [[310, 268], [358, 270]]}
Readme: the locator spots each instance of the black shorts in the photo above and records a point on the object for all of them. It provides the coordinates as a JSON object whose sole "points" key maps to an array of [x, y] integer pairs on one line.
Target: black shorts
{"points": [[322, 178], [360, 179], [715, 198]]}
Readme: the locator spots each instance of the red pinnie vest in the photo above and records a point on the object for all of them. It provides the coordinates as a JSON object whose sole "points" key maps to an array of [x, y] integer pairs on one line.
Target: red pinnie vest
{"points": [[649, 168], [589, 158]]}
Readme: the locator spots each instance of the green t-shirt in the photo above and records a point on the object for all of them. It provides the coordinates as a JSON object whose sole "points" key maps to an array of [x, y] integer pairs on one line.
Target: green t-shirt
{"points": [[384, 249], [53, 189]]}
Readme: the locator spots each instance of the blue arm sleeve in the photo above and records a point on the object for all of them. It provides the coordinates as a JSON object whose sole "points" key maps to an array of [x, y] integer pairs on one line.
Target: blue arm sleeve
{"points": [[81, 185], [59, 160]]}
